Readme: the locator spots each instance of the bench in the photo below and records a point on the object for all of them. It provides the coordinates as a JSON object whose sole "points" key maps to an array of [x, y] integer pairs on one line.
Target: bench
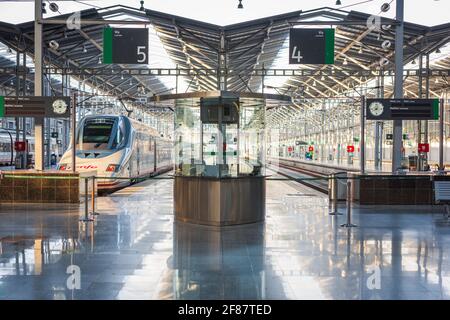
{"points": [[442, 194]]}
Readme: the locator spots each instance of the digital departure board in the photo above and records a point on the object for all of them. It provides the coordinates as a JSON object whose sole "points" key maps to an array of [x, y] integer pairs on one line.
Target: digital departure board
{"points": [[402, 109], [37, 107]]}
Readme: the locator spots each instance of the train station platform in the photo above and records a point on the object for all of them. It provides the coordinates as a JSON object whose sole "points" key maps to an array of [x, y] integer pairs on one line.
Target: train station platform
{"points": [[134, 250]]}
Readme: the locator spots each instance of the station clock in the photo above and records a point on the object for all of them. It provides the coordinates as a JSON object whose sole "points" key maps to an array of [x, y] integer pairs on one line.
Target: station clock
{"points": [[376, 108]]}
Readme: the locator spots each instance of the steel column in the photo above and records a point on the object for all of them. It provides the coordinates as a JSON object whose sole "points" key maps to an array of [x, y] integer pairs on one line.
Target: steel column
{"points": [[441, 134], [398, 85], [39, 122]]}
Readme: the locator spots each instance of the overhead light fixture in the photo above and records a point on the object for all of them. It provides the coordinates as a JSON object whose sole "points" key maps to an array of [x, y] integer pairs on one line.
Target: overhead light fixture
{"points": [[314, 83], [99, 60], [131, 82], [360, 50], [12, 82], [121, 77], [436, 81], [322, 78], [385, 7], [53, 7], [345, 62], [338, 2], [142, 6], [240, 6], [84, 49]]}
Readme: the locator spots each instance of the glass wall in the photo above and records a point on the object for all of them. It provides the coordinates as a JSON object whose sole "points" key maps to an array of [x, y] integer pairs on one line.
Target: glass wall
{"points": [[219, 149]]}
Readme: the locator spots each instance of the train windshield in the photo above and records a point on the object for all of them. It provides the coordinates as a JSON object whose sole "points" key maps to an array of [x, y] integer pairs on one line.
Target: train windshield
{"points": [[102, 134], [97, 132]]}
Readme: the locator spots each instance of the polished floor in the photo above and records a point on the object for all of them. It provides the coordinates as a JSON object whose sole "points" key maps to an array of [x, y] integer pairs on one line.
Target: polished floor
{"points": [[134, 250]]}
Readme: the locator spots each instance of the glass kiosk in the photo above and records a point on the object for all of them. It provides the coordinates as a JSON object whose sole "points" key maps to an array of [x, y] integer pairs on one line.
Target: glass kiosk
{"points": [[219, 157]]}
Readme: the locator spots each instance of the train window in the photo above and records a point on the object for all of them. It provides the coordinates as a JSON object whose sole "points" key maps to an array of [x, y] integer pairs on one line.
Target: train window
{"points": [[120, 136], [5, 147]]}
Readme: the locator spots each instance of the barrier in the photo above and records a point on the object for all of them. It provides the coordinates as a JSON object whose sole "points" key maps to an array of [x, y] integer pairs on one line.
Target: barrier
{"points": [[349, 223]]}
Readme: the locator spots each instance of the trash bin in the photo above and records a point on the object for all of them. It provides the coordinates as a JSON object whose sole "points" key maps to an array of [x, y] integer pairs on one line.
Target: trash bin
{"points": [[413, 162]]}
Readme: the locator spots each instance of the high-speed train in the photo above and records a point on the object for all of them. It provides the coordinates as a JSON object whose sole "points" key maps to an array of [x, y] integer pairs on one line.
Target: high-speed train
{"points": [[118, 147]]}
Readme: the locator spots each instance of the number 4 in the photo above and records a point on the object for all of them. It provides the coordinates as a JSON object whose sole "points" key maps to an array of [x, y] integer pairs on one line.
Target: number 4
{"points": [[296, 54], [141, 53]]}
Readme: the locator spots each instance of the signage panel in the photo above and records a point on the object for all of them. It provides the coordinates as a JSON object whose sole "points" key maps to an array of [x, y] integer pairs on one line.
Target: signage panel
{"points": [[125, 45], [311, 46], [48, 107], [402, 109]]}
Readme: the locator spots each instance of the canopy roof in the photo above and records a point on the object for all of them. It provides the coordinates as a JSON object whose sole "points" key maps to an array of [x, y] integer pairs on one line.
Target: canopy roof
{"points": [[178, 42]]}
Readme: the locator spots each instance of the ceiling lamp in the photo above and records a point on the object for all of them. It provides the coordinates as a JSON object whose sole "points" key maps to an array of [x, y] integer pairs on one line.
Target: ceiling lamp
{"points": [[99, 60], [142, 6], [360, 50], [345, 62], [314, 83], [338, 2], [84, 49], [385, 7], [121, 77], [322, 78], [53, 7], [240, 6], [436, 81]]}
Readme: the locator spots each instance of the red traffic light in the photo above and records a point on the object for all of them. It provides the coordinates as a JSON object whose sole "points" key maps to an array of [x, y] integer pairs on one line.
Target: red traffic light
{"points": [[311, 148], [350, 149]]}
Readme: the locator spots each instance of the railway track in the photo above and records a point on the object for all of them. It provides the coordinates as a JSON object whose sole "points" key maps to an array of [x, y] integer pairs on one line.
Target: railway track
{"points": [[313, 180]]}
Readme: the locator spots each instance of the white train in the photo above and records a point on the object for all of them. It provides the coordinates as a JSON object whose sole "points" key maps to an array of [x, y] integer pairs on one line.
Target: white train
{"points": [[118, 147], [5, 147]]}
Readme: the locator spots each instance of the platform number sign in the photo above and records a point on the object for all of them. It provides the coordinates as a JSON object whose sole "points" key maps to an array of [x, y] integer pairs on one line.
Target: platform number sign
{"points": [[311, 46], [125, 45]]}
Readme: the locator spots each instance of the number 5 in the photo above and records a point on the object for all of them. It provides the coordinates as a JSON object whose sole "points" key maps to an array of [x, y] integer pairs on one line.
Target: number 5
{"points": [[140, 52]]}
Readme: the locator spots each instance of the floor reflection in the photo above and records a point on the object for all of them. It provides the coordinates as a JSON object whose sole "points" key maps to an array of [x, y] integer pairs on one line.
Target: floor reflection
{"points": [[218, 263], [134, 250]]}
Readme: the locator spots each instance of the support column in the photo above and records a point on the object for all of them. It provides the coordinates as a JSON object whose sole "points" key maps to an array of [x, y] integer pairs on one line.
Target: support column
{"points": [[398, 85], [441, 133], [39, 122], [222, 64], [24, 120], [362, 140]]}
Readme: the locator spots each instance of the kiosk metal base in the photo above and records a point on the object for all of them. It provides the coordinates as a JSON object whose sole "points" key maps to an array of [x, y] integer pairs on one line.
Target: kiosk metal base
{"points": [[220, 201]]}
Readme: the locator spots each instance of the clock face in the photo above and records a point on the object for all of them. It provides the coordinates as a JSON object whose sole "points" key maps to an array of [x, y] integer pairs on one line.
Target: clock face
{"points": [[59, 106], [376, 109]]}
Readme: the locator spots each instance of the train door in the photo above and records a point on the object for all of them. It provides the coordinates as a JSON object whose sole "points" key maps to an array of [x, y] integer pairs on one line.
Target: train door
{"points": [[138, 157], [155, 158]]}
